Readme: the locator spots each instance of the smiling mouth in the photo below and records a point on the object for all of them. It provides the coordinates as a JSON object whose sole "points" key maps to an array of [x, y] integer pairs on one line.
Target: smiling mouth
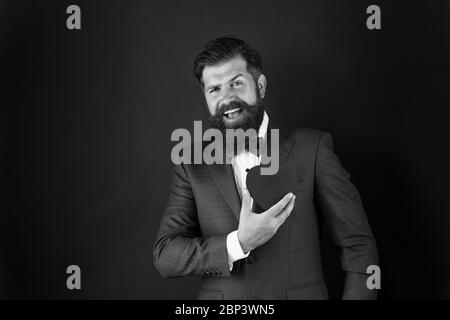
{"points": [[232, 114]]}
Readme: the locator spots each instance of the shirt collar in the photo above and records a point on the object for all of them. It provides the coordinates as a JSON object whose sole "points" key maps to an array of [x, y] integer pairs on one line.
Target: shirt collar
{"points": [[262, 132]]}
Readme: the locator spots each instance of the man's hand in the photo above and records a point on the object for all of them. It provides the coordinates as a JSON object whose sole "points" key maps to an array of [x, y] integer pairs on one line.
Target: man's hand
{"points": [[255, 229]]}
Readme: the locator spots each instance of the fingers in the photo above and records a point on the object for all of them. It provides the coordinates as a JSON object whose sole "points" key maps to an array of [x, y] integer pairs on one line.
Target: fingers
{"points": [[284, 214], [280, 205]]}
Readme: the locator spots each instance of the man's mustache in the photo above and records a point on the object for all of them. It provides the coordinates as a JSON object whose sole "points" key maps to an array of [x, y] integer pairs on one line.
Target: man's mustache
{"points": [[232, 105]]}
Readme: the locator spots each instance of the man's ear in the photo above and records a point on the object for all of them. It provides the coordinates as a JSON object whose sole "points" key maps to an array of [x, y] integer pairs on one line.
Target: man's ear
{"points": [[262, 85]]}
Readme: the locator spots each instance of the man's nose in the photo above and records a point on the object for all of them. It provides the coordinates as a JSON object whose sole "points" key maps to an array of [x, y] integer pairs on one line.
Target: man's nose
{"points": [[227, 98]]}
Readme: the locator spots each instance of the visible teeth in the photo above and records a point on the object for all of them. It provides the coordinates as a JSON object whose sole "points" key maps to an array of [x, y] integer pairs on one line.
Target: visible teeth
{"points": [[232, 115], [232, 110]]}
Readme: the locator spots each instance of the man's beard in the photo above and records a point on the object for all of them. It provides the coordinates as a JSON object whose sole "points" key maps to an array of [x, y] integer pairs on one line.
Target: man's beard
{"points": [[251, 115]]}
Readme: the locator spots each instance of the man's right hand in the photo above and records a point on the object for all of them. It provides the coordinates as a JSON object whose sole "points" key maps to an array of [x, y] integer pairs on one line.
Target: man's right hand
{"points": [[257, 228]]}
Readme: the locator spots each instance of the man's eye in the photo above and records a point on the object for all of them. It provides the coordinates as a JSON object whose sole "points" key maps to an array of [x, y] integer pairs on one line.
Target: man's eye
{"points": [[213, 90], [236, 83]]}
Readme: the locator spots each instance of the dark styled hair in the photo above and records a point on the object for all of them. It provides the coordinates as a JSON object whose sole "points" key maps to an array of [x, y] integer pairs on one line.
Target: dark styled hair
{"points": [[225, 48]]}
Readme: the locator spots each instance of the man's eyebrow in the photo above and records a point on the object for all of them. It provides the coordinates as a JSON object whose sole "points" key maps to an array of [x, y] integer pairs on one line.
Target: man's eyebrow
{"points": [[207, 88], [237, 76]]}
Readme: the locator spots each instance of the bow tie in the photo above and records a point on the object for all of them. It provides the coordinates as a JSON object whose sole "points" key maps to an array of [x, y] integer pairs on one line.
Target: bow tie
{"points": [[254, 146]]}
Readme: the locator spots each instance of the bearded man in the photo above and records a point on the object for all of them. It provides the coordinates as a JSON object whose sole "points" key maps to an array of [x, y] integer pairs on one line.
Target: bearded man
{"points": [[212, 227]]}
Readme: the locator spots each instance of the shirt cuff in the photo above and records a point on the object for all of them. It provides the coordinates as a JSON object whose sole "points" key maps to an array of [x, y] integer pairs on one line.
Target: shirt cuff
{"points": [[234, 249]]}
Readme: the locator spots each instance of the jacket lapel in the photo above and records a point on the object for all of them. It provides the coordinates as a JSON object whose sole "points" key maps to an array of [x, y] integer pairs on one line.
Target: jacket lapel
{"points": [[223, 174], [285, 143]]}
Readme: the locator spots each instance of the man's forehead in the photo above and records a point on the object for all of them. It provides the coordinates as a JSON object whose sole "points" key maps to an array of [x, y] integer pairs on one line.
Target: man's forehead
{"points": [[225, 70]]}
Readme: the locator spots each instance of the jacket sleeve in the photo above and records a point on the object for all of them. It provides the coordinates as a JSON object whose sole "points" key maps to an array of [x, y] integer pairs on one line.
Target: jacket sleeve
{"points": [[346, 219], [180, 249]]}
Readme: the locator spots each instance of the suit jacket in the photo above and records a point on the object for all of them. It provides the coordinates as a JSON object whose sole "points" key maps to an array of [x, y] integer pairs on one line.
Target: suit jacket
{"points": [[204, 206]]}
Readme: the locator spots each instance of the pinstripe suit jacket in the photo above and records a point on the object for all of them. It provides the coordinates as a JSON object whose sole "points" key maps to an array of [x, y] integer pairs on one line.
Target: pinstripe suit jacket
{"points": [[204, 206]]}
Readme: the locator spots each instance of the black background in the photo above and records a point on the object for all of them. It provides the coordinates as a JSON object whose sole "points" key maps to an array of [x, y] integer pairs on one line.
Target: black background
{"points": [[91, 113]]}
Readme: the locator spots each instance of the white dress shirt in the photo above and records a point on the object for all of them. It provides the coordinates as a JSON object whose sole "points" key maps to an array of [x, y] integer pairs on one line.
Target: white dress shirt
{"points": [[241, 163]]}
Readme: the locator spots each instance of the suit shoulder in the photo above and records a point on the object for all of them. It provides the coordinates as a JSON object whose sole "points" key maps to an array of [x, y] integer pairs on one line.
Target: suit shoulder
{"points": [[306, 135]]}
